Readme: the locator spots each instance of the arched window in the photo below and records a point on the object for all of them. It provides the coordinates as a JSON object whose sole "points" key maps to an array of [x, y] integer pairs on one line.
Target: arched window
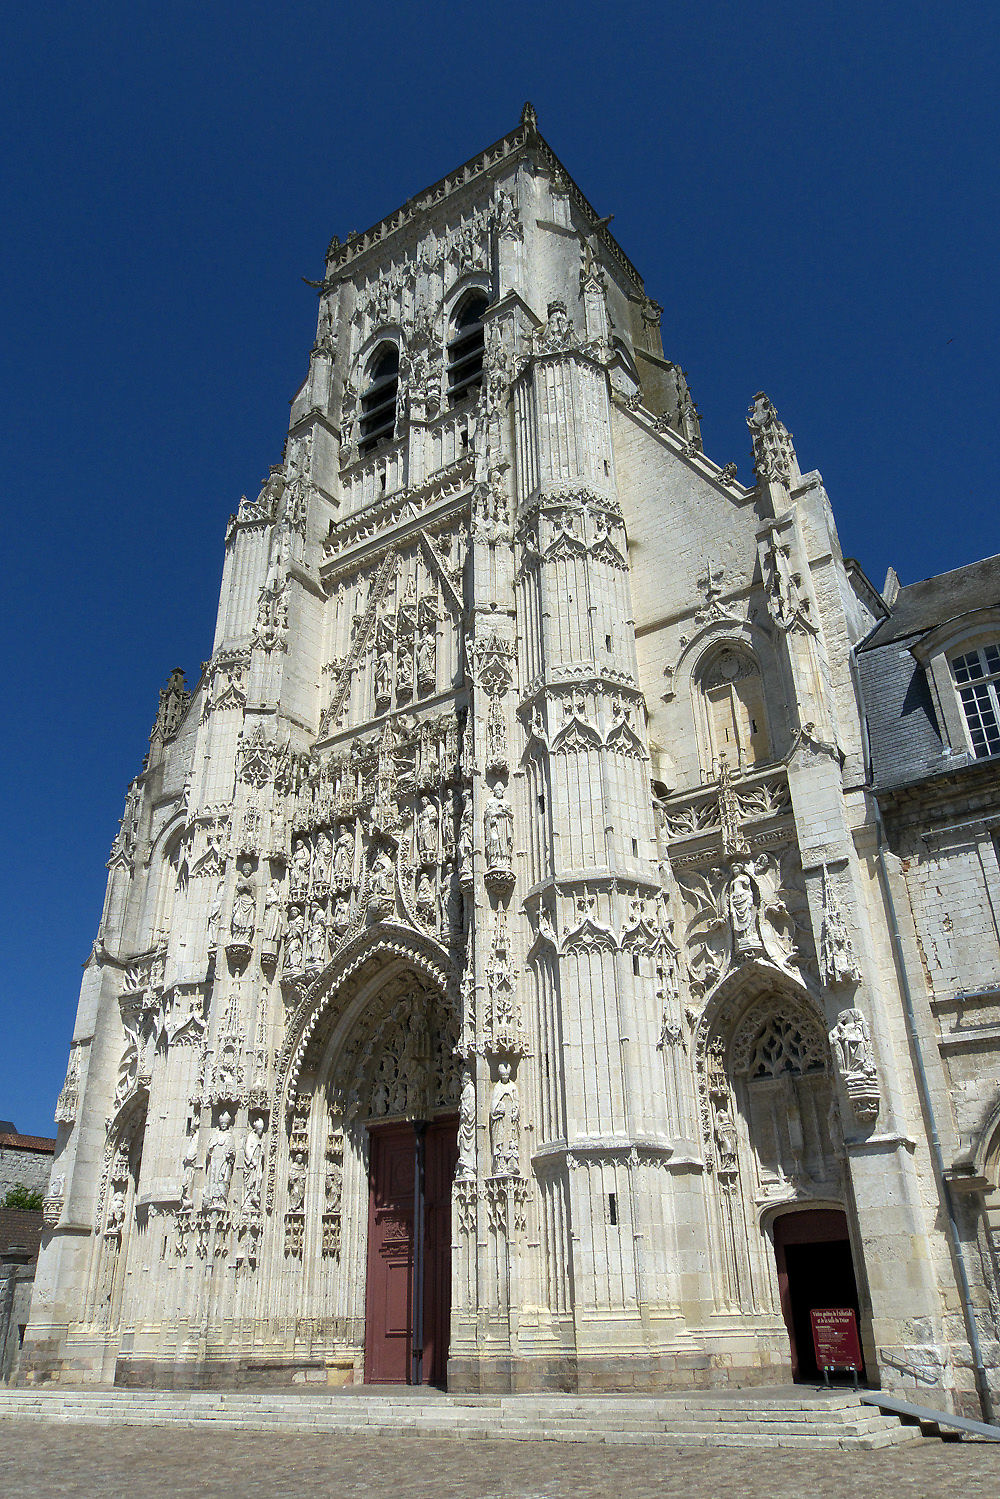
{"points": [[378, 404], [734, 700], [465, 351]]}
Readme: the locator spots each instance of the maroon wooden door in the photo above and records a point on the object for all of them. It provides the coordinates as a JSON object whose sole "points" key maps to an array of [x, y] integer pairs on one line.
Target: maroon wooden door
{"points": [[440, 1159], [411, 1173], [389, 1293]]}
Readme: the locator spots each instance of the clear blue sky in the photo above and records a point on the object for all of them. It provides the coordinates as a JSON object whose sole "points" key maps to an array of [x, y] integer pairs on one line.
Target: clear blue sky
{"points": [[809, 190]]}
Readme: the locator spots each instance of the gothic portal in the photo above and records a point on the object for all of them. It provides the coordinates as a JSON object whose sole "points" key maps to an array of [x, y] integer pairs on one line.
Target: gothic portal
{"points": [[495, 983]]}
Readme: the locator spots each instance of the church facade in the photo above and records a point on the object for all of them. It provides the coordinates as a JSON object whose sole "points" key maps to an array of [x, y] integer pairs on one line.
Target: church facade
{"points": [[506, 976]]}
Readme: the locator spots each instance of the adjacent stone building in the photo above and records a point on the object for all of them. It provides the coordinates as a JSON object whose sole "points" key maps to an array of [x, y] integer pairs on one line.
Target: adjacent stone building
{"points": [[523, 960]]}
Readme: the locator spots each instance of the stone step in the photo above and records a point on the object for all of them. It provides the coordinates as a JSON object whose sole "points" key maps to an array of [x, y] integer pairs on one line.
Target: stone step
{"points": [[691, 1419]]}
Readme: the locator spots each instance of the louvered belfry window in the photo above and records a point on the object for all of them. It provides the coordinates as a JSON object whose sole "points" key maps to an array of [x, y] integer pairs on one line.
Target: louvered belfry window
{"points": [[378, 404], [465, 351]]}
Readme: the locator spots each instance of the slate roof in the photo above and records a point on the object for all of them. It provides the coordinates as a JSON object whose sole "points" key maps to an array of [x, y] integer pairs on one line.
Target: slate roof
{"points": [[906, 741], [921, 606]]}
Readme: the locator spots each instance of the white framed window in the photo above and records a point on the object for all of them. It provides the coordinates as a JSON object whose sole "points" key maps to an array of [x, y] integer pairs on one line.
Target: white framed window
{"points": [[977, 681]]}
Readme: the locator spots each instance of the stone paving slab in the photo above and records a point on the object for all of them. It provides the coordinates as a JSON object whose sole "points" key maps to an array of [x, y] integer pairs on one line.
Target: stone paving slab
{"points": [[97, 1462]]}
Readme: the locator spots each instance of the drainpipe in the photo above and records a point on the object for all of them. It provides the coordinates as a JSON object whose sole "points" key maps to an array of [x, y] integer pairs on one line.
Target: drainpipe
{"points": [[937, 1157]]}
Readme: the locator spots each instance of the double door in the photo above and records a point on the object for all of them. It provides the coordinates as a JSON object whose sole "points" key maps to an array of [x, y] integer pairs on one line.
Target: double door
{"points": [[408, 1296]]}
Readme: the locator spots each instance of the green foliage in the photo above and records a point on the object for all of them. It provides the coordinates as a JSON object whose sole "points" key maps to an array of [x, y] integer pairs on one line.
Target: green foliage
{"points": [[20, 1196]]}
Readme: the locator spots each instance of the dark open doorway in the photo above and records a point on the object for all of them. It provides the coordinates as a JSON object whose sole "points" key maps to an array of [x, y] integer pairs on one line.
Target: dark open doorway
{"points": [[408, 1295], [815, 1269]]}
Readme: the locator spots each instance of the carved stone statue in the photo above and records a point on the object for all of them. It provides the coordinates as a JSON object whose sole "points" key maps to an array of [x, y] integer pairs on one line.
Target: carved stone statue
{"points": [[244, 915], [253, 1166], [317, 937], [383, 670], [381, 875], [852, 1044], [726, 1140], [427, 660], [404, 668], [188, 1164], [271, 926], [293, 940], [427, 832], [743, 912], [466, 1168], [116, 1209], [505, 1124], [301, 862], [465, 837], [498, 828], [219, 1164], [343, 862], [322, 860], [297, 1182]]}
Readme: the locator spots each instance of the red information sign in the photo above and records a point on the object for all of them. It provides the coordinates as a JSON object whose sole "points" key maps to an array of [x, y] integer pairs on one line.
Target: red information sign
{"points": [[835, 1337]]}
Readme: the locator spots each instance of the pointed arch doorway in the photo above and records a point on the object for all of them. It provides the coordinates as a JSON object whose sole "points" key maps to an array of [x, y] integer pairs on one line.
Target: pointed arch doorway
{"points": [[812, 1251]]}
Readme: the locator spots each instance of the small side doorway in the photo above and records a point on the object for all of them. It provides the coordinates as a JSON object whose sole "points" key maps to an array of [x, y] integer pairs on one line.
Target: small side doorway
{"points": [[408, 1293], [815, 1269]]}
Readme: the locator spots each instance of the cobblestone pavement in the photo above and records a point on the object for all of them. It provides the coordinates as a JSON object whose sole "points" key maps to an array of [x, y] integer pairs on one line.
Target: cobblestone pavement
{"points": [[40, 1461]]}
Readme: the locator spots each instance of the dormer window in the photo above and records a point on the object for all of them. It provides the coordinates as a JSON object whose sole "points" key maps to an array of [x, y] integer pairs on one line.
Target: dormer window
{"points": [[465, 351], [378, 404], [977, 681]]}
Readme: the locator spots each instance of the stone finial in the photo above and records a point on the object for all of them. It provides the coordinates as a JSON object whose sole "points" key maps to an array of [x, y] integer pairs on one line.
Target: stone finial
{"points": [[174, 699], [773, 453], [529, 119]]}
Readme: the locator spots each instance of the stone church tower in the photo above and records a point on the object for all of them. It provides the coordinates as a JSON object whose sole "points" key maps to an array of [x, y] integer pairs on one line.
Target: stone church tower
{"points": [[494, 981]]}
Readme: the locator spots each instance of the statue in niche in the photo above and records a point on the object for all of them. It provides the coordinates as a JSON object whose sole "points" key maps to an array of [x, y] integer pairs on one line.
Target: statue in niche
{"points": [[116, 1209], [454, 905], [271, 926], [293, 940], [381, 875], [241, 923], [343, 862], [741, 898], [333, 1188], [852, 1044], [505, 1124], [404, 668], [383, 670], [426, 898], [301, 863], [427, 660], [726, 1140], [498, 827], [219, 1164], [466, 1168], [322, 860], [297, 1182], [341, 918], [316, 943], [253, 1166], [427, 832], [188, 1165]]}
